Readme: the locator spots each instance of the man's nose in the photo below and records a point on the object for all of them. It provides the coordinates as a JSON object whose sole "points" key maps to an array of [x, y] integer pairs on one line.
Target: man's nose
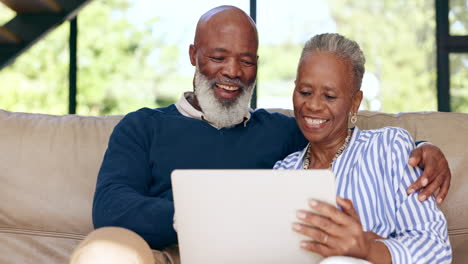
{"points": [[232, 69]]}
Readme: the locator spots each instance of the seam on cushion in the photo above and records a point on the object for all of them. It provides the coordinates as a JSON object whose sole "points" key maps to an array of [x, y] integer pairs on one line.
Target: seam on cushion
{"points": [[41, 233], [461, 231]]}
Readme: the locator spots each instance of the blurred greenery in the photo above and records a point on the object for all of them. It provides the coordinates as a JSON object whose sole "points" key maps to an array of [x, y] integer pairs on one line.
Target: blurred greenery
{"points": [[397, 37], [123, 66], [115, 76], [458, 17], [459, 82], [5, 13]]}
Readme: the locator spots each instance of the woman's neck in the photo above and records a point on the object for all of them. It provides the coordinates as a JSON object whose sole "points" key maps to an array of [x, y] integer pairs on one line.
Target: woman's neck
{"points": [[322, 154]]}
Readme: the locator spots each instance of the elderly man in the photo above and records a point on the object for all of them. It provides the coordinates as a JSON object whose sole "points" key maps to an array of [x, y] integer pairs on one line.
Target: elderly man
{"points": [[213, 127]]}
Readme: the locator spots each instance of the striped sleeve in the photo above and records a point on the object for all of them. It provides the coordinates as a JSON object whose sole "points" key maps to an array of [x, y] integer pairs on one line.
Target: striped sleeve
{"points": [[289, 163], [421, 229]]}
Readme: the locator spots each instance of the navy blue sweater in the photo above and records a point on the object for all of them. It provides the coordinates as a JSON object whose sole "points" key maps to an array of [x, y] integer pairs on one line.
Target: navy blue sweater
{"points": [[134, 188]]}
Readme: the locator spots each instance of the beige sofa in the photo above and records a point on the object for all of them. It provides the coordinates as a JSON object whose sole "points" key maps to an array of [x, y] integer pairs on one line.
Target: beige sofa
{"points": [[48, 168]]}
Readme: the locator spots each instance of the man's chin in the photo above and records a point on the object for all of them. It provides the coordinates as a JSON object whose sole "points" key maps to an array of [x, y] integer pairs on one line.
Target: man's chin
{"points": [[226, 102], [227, 98]]}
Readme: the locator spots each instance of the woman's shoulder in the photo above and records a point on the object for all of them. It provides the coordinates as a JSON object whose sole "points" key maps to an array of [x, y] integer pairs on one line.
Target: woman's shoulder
{"points": [[386, 134], [289, 162]]}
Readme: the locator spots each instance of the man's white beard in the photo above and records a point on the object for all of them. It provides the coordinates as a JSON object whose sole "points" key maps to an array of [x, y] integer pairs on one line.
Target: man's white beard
{"points": [[226, 113]]}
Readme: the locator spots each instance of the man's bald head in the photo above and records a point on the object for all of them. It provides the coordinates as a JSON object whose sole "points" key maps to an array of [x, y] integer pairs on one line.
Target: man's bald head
{"points": [[225, 56], [224, 16]]}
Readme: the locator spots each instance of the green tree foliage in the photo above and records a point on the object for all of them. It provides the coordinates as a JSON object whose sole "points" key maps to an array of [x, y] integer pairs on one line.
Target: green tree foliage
{"points": [[115, 76], [459, 82], [124, 66], [397, 37], [38, 79], [458, 17], [277, 68], [5, 14]]}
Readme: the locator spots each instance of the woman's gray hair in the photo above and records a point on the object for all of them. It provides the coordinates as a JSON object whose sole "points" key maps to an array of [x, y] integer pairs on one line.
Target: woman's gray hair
{"points": [[342, 47]]}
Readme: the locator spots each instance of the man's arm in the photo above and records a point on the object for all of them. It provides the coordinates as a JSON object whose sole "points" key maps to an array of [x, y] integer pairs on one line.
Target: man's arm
{"points": [[121, 197], [421, 229], [436, 174]]}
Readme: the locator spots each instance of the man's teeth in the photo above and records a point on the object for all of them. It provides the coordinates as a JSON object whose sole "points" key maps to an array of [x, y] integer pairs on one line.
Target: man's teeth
{"points": [[227, 87], [311, 121]]}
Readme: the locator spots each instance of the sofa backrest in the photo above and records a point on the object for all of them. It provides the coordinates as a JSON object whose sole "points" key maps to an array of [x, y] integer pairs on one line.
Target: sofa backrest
{"points": [[48, 168], [49, 164]]}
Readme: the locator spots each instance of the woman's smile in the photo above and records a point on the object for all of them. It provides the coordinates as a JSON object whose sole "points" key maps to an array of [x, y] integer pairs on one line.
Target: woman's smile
{"points": [[315, 123]]}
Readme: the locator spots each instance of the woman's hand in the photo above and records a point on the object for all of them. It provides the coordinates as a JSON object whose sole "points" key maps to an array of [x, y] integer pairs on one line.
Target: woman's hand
{"points": [[338, 233]]}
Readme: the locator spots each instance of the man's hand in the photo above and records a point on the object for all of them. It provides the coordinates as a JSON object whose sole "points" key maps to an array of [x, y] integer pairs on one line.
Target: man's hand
{"points": [[436, 172]]}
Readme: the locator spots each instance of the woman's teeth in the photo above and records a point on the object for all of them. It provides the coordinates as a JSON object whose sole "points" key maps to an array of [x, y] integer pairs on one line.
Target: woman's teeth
{"points": [[311, 121]]}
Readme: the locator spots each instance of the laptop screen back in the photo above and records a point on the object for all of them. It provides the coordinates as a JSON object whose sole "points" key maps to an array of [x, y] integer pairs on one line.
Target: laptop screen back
{"points": [[245, 216]]}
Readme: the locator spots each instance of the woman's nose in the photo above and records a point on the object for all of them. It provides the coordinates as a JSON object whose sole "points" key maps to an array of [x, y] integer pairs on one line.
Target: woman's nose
{"points": [[314, 103]]}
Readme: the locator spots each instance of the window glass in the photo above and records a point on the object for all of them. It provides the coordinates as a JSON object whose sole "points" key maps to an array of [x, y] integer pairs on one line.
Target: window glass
{"points": [[134, 53], [458, 17], [397, 37], [131, 54], [37, 81], [138, 55], [459, 82]]}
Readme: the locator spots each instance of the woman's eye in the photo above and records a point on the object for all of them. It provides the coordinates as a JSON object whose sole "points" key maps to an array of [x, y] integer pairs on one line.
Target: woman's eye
{"points": [[305, 93]]}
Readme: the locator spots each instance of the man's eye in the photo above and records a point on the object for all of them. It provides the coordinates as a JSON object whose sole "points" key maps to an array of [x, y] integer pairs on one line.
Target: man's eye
{"points": [[218, 59], [249, 63], [330, 97], [305, 93]]}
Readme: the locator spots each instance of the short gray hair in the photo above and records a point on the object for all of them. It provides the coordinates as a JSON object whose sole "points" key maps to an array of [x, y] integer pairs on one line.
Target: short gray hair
{"points": [[342, 47]]}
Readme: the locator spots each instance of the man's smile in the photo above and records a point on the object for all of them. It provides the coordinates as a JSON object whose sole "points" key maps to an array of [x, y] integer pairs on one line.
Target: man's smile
{"points": [[227, 91], [227, 87]]}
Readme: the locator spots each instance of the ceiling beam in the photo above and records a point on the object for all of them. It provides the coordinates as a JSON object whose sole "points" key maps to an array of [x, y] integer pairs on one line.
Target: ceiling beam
{"points": [[33, 6], [7, 37]]}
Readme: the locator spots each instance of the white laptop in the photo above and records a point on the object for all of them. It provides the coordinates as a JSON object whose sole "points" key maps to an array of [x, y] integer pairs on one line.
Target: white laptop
{"points": [[245, 216]]}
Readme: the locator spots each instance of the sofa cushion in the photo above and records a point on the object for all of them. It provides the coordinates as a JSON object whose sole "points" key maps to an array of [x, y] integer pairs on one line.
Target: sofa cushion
{"points": [[49, 164], [48, 168]]}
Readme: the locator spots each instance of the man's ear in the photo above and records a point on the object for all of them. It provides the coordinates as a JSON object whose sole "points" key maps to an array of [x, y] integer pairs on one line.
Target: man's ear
{"points": [[192, 54]]}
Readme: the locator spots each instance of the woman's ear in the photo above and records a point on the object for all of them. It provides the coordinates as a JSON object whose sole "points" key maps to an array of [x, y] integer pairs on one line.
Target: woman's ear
{"points": [[357, 98]]}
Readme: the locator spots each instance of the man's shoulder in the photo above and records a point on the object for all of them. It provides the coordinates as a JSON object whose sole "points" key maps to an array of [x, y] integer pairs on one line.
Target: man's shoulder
{"points": [[264, 114], [278, 125], [145, 112], [170, 109], [145, 116]]}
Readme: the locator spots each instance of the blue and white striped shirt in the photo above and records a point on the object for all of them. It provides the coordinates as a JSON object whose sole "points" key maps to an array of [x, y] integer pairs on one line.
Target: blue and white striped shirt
{"points": [[373, 173]]}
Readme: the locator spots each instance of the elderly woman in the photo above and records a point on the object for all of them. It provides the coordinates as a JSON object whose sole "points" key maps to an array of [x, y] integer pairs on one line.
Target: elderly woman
{"points": [[377, 220]]}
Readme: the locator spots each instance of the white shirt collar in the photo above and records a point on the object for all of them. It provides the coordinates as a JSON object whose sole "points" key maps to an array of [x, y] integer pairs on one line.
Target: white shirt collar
{"points": [[186, 109]]}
